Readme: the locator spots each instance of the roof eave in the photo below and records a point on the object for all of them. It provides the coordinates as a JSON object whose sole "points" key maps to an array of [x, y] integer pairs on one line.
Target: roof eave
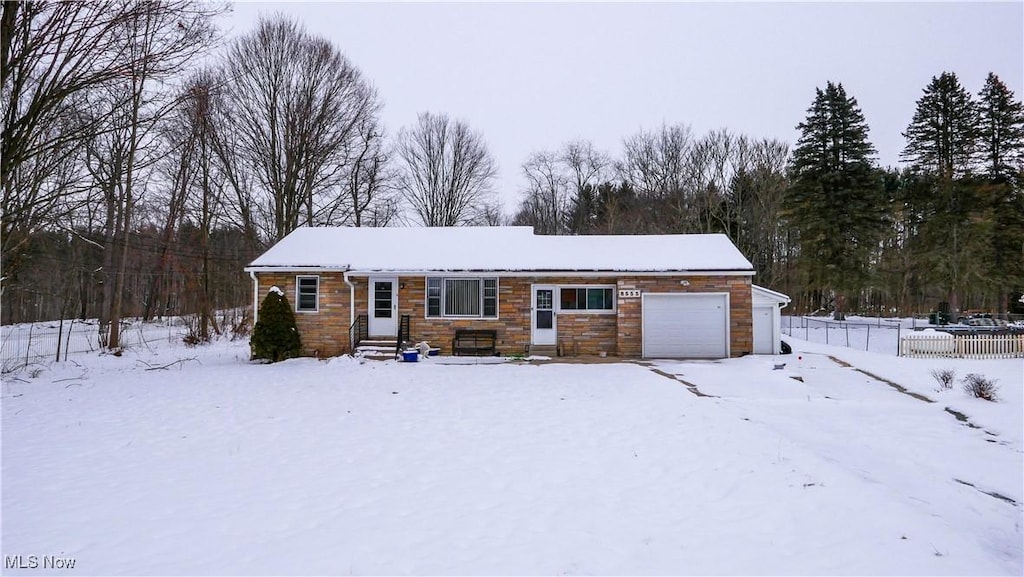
{"points": [[501, 272], [295, 268]]}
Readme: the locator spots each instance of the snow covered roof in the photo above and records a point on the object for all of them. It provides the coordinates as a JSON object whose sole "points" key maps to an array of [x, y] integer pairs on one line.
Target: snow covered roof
{"points": [[768, 296], [489, 248]]}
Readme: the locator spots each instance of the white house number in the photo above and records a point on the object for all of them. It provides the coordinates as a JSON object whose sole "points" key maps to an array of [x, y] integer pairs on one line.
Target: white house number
{"points": [[629, 293]]}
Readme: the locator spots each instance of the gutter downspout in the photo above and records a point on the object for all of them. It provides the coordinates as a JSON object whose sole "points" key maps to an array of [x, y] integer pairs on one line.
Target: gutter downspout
{"points": [[351, 301], [778, 345], [255, 297]]}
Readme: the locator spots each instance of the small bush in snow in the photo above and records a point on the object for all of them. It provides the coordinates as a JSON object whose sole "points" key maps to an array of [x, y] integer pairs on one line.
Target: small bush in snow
{"points": [[238, 323], [945, 378], [979, 387], [275, 336], [193, 336]]}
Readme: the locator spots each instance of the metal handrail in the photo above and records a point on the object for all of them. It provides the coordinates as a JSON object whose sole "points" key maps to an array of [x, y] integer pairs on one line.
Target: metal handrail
{"points": [[358, 331], [403, 334]]}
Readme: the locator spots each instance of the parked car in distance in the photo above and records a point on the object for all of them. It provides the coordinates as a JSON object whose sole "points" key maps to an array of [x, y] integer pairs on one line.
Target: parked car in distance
{"points": [[980, 322], [969, 315]]}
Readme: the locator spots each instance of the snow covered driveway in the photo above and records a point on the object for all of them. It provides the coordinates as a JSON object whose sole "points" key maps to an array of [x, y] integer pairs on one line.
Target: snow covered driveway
{"points": [[216, 466]]}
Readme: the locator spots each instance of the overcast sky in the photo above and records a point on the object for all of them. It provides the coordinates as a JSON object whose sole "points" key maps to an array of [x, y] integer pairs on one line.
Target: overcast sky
{"points": [[532, 76]]}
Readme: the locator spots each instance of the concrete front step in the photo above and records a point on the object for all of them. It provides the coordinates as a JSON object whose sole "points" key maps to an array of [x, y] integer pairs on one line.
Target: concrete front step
{"points": [[378, 343], [544, 350], [377, 348]]}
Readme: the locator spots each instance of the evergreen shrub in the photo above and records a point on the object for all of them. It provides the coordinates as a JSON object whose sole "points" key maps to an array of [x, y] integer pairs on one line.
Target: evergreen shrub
{"points": [[275, 336]]}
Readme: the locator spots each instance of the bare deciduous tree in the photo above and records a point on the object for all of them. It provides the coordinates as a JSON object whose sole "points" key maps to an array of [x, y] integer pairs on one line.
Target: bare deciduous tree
{"points": [[367, 180], [447, 171], [200, 185], [656, 161], [561, 187], [160, 40], [547, 196], [51, 53], [587, 165], [299, 111], [659, 166], [754, 204]]}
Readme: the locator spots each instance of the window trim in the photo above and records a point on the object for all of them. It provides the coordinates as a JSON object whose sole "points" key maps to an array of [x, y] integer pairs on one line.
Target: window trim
{"points": [[442, 297], [611, 311], [316, 294]]}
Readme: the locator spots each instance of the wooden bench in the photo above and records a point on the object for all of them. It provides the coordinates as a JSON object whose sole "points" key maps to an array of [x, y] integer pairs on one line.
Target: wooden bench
{"points": [[478, 342]]}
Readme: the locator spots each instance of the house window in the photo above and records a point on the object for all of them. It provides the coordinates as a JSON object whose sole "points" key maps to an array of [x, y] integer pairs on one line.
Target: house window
{"points": [[600, 299], [434, 296], [307, 293], [462, 297]]}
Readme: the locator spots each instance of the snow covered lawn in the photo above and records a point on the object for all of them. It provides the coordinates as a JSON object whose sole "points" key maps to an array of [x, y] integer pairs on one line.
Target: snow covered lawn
{"points": [[217, 466]]}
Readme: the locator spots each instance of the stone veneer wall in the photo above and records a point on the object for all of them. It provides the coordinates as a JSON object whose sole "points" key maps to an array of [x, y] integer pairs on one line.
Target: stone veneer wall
{"points": [[325, 333], [741, 329], [578, 333]]}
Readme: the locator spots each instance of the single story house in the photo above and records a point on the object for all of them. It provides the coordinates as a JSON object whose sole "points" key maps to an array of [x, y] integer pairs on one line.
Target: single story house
{"points": [[668, 296]]}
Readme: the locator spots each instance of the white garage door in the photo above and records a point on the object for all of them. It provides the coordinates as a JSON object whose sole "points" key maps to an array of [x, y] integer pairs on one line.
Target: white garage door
{"points": [[692, 325]]}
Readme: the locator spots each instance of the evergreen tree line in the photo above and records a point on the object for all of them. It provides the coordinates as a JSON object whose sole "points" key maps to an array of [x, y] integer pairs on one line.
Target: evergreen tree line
{"points": [[145, 160], [825, 224]]}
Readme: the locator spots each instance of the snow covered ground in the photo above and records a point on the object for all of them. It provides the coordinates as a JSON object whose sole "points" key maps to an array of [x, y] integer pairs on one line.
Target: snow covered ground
{"points": [[181, 461], [880, 335], [26, 345]]}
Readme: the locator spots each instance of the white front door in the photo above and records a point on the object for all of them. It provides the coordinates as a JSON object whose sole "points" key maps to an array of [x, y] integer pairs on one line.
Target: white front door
{"points": [[544, 322], [383, 307]]}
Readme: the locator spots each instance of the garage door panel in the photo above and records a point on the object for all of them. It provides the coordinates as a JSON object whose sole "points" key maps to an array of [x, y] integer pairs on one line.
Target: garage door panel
{"points": [[685, 326]]}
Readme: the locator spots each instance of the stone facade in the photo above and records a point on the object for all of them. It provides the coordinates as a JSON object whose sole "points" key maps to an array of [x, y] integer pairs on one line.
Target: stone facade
{"points": [[741, 323], [326, 332]]}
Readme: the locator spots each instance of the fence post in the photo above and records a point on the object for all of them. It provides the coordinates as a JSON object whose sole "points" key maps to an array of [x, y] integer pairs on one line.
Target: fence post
{"points": [[899, 329], [847, 334], [60, 333], [867, 340], [67, 343], [28, 347]]}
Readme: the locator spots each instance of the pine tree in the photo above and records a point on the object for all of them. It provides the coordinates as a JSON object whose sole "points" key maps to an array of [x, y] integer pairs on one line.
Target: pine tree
{"points": [[275, 336], [941, 136], [1001, 157], [941, 146], [1000, 131], [835, 200], [582, 210]]}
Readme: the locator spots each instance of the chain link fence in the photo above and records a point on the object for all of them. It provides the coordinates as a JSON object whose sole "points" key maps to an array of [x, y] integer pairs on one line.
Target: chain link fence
{"points": [[880, 335], [31, 343]]}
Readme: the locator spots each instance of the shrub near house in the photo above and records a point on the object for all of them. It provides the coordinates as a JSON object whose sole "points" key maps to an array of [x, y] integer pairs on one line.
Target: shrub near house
{"points": [[275, 336]]}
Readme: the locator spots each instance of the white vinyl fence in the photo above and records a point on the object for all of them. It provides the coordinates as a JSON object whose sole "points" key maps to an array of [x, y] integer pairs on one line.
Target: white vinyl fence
{"points": [[963, 346]]}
